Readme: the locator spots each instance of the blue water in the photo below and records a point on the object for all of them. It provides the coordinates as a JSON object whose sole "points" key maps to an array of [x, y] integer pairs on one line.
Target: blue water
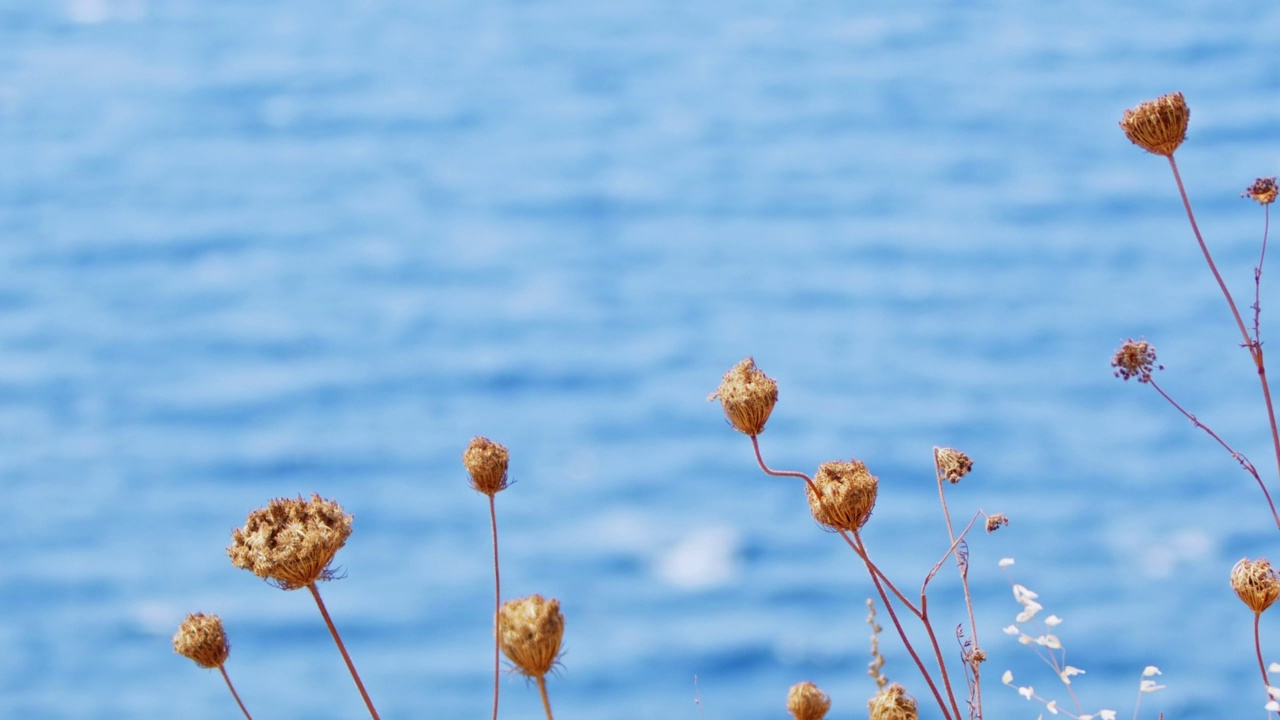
{"points": [[267, 249]]}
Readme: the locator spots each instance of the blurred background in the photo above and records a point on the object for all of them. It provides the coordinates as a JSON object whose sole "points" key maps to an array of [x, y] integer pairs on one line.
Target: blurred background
{"points": [[254, 250]]}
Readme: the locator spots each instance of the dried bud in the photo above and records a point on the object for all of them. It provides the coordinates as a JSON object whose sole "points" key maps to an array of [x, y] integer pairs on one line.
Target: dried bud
{"points": [[1256, 583], [486, 461], [1263, 190], [848, 494], [996, 521], [952, 464], [1158, 126], [747, 396], [807, 702], [977, 657], [202, 639], [291, 542], [529, 631], [892, 703], [1136, 358]]}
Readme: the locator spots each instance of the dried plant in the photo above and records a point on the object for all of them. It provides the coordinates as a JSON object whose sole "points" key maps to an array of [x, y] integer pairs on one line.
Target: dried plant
{"points": [[202, 638], [530, 630], [806, 702], [486, 462]]}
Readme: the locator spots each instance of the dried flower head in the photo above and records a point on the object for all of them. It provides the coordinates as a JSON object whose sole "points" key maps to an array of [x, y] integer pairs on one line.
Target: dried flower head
{"points": [[1256, 583], [995, 521], [952, 463], [1136, 358], [486, 462], [892, 703], [1263, 190], [1158, 126], [806, 702], [529, 631], [201, 638], [291, 542], [848, 494], [747, 396]]}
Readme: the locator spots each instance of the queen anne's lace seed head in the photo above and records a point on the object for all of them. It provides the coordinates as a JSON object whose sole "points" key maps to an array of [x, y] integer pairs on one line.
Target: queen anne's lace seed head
{"points": [[1158, 126], [1136, 358], [848, 494], [1256, 583], [892, 703], [1263, 191], [806, 702], [529, 632], [747, 396], [952, 464], [486, 462], [201, 638], [291, 542]]}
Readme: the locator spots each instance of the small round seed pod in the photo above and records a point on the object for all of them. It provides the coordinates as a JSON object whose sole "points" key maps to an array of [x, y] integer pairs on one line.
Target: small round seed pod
{"points": [[953, 464], [1158, 126], [1136, 358], [848, 495], [892, 703], [291, 542], [1256, 583], [201, 638], [747, 396], [529, 631], [806, 702], [1263, 191], [486, 462], [995, 521]]}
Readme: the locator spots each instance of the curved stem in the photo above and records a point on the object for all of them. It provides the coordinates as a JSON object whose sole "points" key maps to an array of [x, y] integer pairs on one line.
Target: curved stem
{"points": [[497, 603], [542, 689], [1255, 348], [343, 649], [234, 694], [1257, 646]]}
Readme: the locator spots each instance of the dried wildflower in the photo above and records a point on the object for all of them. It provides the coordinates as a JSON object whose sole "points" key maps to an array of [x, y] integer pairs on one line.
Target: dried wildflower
{"points": [[530, 630], [747, 396], [996, 521], [1263, 190], [1136, 358], [848, 494], [952, 463], [486, 462], [1256, 583], [1158, 126], [892, 703], [201, 638], [291, 542], [806, 702]]}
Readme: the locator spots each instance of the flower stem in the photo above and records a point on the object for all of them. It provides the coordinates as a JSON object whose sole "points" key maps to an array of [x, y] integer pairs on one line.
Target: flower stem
{"points": [[497, 603], [542, 689], [234, 694], [1257, 646], [343, 649]]}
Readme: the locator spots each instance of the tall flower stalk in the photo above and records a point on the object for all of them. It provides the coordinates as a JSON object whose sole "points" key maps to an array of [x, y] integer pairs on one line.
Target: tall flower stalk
{"points": [[486, 462]]}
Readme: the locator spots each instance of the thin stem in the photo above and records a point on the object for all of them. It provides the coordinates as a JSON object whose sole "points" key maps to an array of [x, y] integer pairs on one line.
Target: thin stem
{"points": [[234, 694], [875, 578], [1244, 461], [497, 603], [964, 582], [1255, 348], [343, 649], [542, 688], [1257, 276], [1257, 646]]}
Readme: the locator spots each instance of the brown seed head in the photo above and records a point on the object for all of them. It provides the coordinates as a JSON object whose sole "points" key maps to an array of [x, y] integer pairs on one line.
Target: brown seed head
{"points": [[953, 464], [291, 542], [1262, 190], [892, 703], [1136, 358], [201, 638], [995, 521], [1158, 126], [848, 494], [747, 396], [807, 702], [529, 631], [1256, 583], [486, 461]]}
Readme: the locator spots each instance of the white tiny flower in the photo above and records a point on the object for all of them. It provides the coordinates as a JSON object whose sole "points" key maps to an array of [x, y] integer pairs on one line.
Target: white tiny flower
{"points": [[1021, 594], [1149, 686], [1052, 707], [1027, 692], [1053, 621], [1029, 610], [1085, 717], [1052, 642], [1273, 667], [1072, 670], [1011, 630], [1107, 714], [1007, 677], [1151, 670], [1026, 639], [1273, 691], [1273, 706], [1006, 562]]}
